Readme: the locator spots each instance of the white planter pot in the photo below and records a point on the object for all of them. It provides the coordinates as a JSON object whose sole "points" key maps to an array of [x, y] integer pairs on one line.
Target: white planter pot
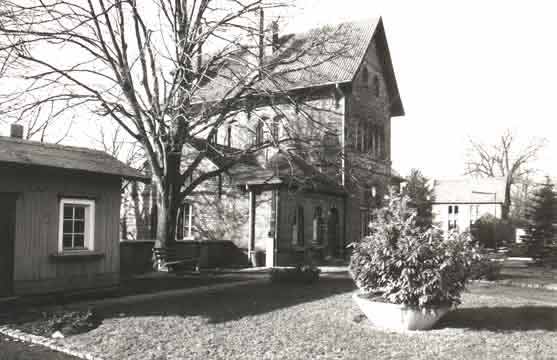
{"points": [[399, 317]]}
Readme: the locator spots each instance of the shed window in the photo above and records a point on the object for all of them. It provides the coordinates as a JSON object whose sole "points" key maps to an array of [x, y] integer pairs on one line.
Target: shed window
{"points": [[77, 225], [184, 223]]}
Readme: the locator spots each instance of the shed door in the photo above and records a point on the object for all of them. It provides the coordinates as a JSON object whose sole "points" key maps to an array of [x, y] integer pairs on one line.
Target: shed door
{"points": [[7, 235]]}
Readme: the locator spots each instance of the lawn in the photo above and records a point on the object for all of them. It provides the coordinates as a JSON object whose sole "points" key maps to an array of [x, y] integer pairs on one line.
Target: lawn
{"points": [[265, 321]]}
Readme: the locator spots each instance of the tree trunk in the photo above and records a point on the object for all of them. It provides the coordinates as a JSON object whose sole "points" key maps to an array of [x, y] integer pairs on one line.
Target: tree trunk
{"points": [[505, 209], [168, 201]]}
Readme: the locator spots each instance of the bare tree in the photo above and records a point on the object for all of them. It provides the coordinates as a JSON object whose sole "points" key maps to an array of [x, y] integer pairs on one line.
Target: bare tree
{"points": [[505, 159], [145, 65]]}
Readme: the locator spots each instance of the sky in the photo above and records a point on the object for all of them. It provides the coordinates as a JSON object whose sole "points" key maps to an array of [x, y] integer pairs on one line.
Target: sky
{"points": [[465, 69]]}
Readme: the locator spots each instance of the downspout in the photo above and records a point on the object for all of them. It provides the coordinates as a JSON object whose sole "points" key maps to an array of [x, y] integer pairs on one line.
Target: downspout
{"points": [[342, 94], [276, 234]]}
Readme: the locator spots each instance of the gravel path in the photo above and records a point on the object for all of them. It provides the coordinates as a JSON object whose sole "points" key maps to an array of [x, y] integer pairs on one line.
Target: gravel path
{"points": [[12, 349], [317, 322]]}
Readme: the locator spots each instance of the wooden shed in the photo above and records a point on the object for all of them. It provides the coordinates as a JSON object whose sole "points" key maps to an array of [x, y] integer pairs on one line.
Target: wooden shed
{"points": [[59, 217]]}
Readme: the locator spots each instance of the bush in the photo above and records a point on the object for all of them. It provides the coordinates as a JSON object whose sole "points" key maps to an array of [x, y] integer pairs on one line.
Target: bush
{"points": [[304, 274], [485, 267], [406, 264], [491, 232], [547, 257]]}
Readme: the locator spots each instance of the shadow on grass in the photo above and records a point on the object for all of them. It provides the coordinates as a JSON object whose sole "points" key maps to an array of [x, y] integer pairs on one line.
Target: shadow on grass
{"points": [[233, 303], [502, 318]]}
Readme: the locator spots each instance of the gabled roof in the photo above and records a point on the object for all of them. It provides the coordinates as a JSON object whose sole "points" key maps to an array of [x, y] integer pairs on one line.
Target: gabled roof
{"points": [[328, 55], [32, 153], [470, 190]]}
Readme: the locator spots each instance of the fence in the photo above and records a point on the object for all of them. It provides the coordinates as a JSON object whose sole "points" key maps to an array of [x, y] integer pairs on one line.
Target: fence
{"points": [[136, 255]]}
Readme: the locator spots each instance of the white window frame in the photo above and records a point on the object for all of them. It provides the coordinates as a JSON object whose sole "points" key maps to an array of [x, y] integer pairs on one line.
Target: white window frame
{"points": [[189, 235], [89, 235]]}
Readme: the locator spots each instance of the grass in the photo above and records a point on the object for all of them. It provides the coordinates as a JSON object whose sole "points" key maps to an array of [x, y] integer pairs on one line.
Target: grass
{"points": [[320, 321]]}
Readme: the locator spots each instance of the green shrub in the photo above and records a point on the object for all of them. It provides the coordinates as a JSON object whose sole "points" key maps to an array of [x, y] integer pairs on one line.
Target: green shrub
{"points": [[406, 264], [304, 274]]}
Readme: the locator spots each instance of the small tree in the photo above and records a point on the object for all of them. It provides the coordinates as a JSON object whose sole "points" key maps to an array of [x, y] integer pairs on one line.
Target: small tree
{"points": [[541, 216], [421, 197]]}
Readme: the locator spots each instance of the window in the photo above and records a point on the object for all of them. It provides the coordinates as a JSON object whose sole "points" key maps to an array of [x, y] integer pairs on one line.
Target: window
{"points": [[184, 223], [259, 133], [365, 77], [456, 209], [365, 221], [318, 226], [275, 129], [450, 209], [219, 186], [213, 137], [382, 152], [363, 135], [298, 227], [229, 136], [376, 86], [77, 225]]}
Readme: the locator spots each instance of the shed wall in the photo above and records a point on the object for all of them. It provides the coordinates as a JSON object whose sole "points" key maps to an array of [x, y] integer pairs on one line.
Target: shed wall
{"points": [[37, 222]]}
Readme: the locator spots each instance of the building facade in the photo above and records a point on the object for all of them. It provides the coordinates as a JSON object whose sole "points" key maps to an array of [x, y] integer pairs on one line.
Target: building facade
{"points": [[460, 202], [316, 193]]}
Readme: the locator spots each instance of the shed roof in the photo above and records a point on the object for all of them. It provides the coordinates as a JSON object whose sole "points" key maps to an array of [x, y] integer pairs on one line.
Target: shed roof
{"points": [[470, 190], [33, 153]]}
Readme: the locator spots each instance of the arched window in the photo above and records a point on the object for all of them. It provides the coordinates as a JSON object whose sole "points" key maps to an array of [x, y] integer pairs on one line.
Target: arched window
{"points": [[294, 228], [376, 86], [298, 226], [318, 226], [259, 133], [333, 239], [275, 128], [213, 138], [365, 77], [229, 136]]}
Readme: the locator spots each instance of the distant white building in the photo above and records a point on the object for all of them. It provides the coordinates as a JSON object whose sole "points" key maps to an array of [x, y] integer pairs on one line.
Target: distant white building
{"points": [[460, 202]]}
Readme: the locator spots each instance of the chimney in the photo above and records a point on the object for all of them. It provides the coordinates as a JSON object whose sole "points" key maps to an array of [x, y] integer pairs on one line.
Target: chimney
{"points": [[274, 36], [16, 131], [261, 40], [199, 55]]}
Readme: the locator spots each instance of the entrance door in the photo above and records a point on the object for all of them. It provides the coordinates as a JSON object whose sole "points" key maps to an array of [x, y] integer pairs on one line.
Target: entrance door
{"points": [[332, 233], [7, 235]]}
